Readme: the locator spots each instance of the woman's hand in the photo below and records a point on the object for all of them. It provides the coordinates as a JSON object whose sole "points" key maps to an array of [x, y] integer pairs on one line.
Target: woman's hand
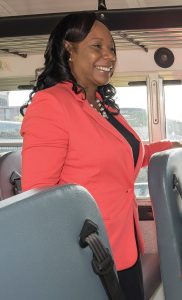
{"points": [[176, 144]]}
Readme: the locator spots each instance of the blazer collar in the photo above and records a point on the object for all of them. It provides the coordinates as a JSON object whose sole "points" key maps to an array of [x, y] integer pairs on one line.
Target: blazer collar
{"points": [[80, 97], [68, 85]]}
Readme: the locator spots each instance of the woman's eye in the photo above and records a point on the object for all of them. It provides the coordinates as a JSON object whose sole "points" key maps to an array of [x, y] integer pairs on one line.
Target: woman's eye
{"points": [[98, 46]]}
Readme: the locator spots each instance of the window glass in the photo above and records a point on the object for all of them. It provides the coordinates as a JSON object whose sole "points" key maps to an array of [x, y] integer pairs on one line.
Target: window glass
{"points": [[173, 111], [141, 184], [10, 118], [132, 101]]}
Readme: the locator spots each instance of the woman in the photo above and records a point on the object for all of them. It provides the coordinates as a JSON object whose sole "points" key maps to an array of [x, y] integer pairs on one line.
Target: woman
{"points": [[73, 133]]}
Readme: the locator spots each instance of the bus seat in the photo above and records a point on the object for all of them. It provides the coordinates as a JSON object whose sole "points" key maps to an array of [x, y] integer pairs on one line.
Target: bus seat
{"points": [[165, 187], [10, 171], [10, 163], [40, 256]]}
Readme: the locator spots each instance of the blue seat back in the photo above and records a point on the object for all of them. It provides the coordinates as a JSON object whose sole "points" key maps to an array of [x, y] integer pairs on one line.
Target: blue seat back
{"points": [[40, 257], [164, 168]]}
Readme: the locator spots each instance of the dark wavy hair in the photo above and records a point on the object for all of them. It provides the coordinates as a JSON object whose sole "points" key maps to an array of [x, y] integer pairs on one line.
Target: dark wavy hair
{"points": [[73, 28]]}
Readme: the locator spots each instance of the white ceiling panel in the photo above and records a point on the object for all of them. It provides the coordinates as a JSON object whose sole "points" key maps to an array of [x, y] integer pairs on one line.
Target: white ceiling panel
{"points": [[29, 7], [156, 3], [6, 9]]}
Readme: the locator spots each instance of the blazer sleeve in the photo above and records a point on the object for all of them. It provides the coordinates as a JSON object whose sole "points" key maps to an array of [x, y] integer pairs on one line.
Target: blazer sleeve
{"points": [[45, 142], [153, 148]]}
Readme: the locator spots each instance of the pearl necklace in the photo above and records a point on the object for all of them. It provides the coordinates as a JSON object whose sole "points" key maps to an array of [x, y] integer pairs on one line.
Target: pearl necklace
{"points": [[101, 108]]}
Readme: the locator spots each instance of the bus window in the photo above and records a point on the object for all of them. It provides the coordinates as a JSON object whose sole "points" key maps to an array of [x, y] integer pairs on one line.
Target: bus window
{"points": [[173, 111], [132, 101], [10, 130], [10, 119]]}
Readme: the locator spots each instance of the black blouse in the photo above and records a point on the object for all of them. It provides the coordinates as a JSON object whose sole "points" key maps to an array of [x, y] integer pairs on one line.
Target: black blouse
{"points": [[134, 143]]}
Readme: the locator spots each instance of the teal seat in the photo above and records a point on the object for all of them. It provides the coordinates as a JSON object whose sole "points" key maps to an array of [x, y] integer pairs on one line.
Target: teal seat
{"points": [[165, 187], [40, 257]]}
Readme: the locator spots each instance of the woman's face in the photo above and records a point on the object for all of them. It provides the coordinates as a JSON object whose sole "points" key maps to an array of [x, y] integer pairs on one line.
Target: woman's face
{"points": [[93, 60]]}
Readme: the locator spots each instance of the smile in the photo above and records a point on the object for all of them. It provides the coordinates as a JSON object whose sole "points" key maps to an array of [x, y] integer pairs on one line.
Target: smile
{"points": [[104, 69]]}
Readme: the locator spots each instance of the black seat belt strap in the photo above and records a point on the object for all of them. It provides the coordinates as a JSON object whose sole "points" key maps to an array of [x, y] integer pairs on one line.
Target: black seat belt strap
{"points": [[102, 261]]}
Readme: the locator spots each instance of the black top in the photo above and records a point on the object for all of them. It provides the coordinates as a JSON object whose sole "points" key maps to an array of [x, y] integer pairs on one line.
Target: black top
{"points": [[134, 143]]}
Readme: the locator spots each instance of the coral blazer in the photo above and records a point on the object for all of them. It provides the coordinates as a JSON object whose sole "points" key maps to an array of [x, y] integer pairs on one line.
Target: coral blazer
{"points": [[66, 141]]}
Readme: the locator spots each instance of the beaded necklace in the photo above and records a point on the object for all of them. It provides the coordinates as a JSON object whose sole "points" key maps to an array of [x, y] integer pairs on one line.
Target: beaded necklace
{"points": [[101, 109]]}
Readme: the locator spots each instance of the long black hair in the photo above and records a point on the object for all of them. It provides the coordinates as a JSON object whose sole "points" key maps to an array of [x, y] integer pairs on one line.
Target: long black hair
{"points": [[73, 28]]}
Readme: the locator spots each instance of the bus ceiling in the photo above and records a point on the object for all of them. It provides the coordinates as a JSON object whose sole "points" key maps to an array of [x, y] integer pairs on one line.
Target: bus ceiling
{"points": [[116, 19]]}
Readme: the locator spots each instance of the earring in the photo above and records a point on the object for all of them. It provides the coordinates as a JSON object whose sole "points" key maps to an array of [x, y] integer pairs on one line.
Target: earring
{"points": [[70, 58]]}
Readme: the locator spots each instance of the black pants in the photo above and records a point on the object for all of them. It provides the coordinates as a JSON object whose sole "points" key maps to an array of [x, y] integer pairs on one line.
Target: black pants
{"points": [[131, 281]]}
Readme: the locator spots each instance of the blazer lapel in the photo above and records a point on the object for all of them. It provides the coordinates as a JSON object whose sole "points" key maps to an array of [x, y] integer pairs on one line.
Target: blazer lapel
{"points": [[103, 122]]}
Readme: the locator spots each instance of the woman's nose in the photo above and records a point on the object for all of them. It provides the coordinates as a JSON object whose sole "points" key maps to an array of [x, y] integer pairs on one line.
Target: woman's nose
{"points": [[109, 54]]}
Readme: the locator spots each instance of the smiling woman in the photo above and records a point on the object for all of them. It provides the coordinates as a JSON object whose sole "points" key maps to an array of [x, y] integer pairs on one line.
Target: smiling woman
{"points": [[68, 139]]}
